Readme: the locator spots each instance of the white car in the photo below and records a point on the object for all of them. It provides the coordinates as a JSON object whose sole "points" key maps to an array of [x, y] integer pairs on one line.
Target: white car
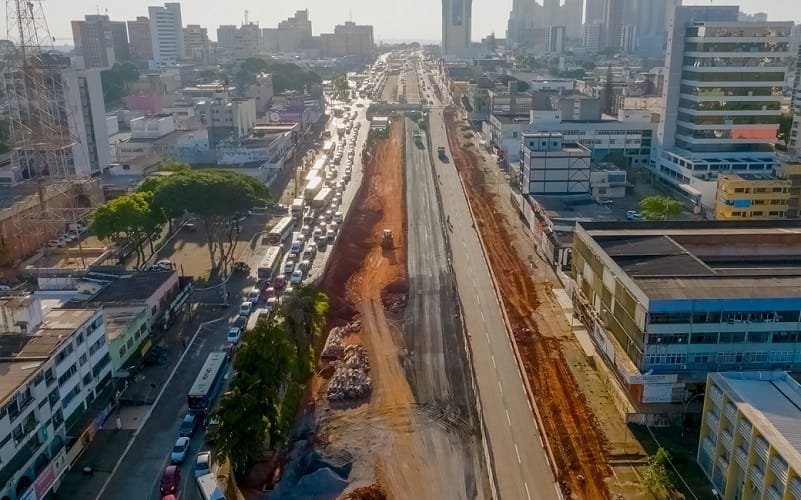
{"points": [[289, 266], [179, 451], [202, 464], [297, 277], [254, 294], [245, 308], [57, 243], [338, 217], [234, 334]]}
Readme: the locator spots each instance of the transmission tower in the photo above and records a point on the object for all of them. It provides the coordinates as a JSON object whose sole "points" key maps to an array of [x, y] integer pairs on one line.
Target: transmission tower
{"points": [[39, 123]]}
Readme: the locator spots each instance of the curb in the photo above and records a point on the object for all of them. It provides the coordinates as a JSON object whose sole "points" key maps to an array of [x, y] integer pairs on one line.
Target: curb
{"points": [[532, 402]]}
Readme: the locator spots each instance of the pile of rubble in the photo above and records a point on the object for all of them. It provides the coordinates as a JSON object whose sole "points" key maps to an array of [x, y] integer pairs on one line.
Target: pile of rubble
{"points": [[350, 380], [335, 343]]}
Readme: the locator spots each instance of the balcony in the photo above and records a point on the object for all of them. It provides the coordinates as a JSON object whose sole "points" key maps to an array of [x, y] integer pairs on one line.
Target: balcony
{"points": [[773, 494], [723, 464], [725, 439], [741, 457], [709, 446], [757, 476], [779, 468], [795, 487], [716, 395], [712, 421], [731, 413], [761, 448], [744, 428]]}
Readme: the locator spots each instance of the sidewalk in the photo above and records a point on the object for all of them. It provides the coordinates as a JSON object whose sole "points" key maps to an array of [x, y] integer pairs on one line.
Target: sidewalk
{"points": [[108, 444]]}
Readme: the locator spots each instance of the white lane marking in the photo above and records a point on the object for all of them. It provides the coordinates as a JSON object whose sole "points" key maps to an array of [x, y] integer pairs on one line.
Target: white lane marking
{"points": [[492, 356], [517, 452], [478, 299], [488, 339], [500, 386], [508, 418], [482, 316], [528, 493]]}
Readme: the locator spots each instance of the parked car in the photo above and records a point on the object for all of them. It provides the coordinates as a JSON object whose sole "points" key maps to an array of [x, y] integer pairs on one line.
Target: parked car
{"points": [[245, 308], [57, 243], [234, 334], [202, 464], [297, 277], [170, 480], [633, 215], [5, 288], [179, 451], [165, 265], [240, 322], [189, 424]]}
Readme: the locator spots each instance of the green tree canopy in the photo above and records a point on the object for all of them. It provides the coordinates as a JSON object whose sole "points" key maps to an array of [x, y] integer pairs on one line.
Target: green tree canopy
{"points": [[286, 76], [305, 311], [785, 128], [115, 82], [129, 216], [659, 207]]}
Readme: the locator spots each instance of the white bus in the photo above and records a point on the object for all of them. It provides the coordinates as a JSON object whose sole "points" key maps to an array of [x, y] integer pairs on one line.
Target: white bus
{"points": [[270, 263], [323, 198], [280, 231], [312, 188]]}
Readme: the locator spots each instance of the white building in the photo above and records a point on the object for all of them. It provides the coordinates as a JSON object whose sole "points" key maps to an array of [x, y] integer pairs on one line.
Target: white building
{"points": [[555, 39], [166, 34], [722, 95], [551, 166], [56, 366], [152, 127], [750, 445]]}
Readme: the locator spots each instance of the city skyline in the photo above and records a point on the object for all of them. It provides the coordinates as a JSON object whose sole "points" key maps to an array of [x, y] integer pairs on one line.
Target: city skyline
{"points": [[392, 22]]}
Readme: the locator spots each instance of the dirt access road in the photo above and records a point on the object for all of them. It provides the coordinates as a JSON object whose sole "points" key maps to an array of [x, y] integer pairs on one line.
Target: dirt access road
{"points": [[408, 448], [569, 425]]}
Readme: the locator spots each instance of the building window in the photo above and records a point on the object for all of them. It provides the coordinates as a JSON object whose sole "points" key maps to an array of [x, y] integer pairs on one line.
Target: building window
{"points": [[49, 377]]}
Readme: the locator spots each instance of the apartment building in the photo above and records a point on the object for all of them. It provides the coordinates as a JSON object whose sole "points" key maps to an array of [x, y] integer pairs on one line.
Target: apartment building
{"points": [[722, 96], [749, 445], [665, 306], [56, 369], [100, 41], [139, 41], [166, 34], [791, 170], [752, 196], [551, 166], [196, 44]]}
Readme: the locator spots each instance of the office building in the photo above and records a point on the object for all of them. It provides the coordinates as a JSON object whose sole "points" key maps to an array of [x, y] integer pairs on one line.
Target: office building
{"points": [[592, 37], [248, 41], [166, 34], [722, 99], [81, 138], [196, 43], [139, 41], [291, 35], [666, 306], [551, 166], [612, 24], [629, 40], [56, 377], [749, 445], [227, 35], [349, 39], [594, 12], [456, 26], [100, 41], [572, 13], [555, 41], [752, 197], [650, 17]]}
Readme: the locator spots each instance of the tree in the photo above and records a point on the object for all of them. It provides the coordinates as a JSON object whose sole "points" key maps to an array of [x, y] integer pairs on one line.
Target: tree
{"points": [[785, 128], [130, 217], [658, 476], [609, 91], [115, 82], [660, 207], [305, 312], [217, 198]]}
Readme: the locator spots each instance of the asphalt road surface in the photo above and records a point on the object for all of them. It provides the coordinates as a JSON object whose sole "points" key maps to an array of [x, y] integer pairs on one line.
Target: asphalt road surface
{"points": [[519, 462], [437, 366]]}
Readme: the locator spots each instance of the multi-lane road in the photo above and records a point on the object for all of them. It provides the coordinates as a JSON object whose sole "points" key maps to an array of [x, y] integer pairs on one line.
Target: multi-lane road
{"points": [[519, 464]]}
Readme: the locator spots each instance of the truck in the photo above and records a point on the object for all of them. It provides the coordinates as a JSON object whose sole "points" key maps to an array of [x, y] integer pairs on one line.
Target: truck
{"points": [[313, 187], [323, 198], [298, 204]]}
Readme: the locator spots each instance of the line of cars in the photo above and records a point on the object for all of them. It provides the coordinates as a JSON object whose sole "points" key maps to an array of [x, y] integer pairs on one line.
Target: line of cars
{"points": [[170, 484], [73, 233]]}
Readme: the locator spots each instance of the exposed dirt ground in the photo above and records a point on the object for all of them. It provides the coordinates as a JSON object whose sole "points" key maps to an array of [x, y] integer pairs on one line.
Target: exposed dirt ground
{"points": [[578, 446], [396, 443]]}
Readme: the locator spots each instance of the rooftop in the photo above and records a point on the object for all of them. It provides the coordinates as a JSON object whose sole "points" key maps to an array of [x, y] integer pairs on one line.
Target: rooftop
{"points": [[136, 287], [705, 260], [22, 355], [118, 318], [771, 401]]}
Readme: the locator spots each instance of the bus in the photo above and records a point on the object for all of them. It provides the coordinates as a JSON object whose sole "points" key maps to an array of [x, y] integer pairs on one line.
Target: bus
{"points": [[209, 487], [323, 198], [280, 231], [208, 383], [269, 263], [312, 188]]}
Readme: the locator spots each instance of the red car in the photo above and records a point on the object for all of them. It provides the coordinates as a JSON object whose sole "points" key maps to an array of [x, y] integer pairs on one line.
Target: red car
{"points": [[170, 481]]}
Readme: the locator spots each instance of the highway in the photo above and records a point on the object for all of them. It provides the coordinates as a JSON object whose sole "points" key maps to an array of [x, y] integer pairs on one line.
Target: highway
{"points": [[519, 463], [437, 367]]}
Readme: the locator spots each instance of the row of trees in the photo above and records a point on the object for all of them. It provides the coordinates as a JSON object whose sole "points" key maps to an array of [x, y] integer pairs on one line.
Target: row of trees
{"points": [[216, 198], [115, 82], [273, 361]]}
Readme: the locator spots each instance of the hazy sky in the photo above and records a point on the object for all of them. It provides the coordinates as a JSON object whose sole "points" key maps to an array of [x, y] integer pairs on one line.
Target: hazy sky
{"points": [[393, 19]]}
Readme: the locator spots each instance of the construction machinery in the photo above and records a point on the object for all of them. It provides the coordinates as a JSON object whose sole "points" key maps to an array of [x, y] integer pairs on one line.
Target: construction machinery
{"points": [[387, 242]]}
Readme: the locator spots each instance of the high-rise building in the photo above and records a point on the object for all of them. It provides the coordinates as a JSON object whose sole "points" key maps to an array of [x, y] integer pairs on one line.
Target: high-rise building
{"points": [[196, 43], [594, 11], [100, 41], [628, 38], [592, 37], [572, 13], [140, 43], [650, 17], [291, 35], [612, 24], [349, 39], [722, 98], [456, 24], [166, 34], [555, 40], [227, 35], [249, 40]]}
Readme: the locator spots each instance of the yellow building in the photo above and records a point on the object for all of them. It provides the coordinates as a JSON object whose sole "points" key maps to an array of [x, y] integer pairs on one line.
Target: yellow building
{"points": [[792, 171], [751, 197]]}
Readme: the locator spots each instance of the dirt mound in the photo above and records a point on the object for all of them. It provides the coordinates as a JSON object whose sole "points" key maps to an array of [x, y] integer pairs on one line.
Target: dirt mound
{"points": [[394, 295], [372, 492], [578, 444]]}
